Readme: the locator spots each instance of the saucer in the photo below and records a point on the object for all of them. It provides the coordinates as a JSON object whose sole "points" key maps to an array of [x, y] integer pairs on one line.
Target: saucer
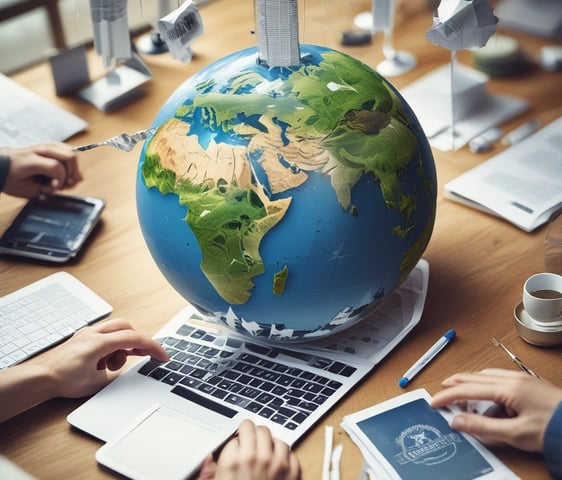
{"points": [[530, 331]]}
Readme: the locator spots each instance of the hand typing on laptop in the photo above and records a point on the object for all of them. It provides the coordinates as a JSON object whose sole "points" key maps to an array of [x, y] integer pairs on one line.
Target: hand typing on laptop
{"points": [[90, 359], [253, 454], [77, 368], [38, 169]]}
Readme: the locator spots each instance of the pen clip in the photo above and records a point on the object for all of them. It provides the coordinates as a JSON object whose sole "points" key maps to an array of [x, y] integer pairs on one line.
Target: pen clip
{"points": [[514, 358]]}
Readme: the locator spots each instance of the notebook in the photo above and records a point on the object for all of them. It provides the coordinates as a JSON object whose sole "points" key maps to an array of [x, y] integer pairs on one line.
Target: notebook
{"points": [[43, 314], [161, 420]]}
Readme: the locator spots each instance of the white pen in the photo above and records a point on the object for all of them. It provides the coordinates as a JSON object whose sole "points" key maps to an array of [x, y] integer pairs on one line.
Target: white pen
{"points": [[328, 444], [427, 357], [335, 465], [521, 132]]}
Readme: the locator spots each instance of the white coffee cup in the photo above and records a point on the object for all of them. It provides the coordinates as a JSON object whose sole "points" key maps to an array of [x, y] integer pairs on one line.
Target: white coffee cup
{"points": [[542, 297]]}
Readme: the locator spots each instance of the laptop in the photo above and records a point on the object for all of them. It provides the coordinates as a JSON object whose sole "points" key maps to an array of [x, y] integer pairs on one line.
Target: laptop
{"points": [[160, 420]]}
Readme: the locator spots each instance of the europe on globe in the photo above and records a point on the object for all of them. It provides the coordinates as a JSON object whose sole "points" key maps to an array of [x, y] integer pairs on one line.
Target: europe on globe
{"points": [[286, 202]]}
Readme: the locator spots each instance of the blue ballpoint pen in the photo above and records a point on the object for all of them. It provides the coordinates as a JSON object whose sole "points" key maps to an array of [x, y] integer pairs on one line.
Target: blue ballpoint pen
{"points": [[427, 357]]}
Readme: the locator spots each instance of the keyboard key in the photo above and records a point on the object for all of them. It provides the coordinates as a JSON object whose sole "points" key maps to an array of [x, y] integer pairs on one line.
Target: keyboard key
{"points": [[236, 400], [253, 407], [348, 371], [185, 330], [266, 412], [249, 392], [172, 378], [158, 373], [219, 393], [265, 398], [280, 419], [148, 367]]}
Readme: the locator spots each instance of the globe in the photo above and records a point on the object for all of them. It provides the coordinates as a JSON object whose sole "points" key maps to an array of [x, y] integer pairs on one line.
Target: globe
{"points": [[286, 203]]}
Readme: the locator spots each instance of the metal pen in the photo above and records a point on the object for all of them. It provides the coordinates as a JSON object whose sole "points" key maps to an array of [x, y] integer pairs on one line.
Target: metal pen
{"points": [[514, 358]]}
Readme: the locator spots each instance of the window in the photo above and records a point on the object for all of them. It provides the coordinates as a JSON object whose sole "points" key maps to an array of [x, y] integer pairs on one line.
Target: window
{"points": [[33, 30]]}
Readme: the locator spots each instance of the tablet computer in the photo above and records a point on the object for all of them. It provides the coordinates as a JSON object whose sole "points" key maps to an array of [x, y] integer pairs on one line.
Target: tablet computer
{"points": [[52, 228]]}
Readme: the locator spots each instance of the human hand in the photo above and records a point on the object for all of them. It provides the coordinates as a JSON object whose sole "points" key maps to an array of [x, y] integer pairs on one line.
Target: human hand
{"points": [[252, 455], [79, 367], [528, 401], [30, 166]]}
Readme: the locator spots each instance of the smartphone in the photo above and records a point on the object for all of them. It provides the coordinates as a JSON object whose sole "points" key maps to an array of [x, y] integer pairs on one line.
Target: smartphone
{"points": [[52, 228]]}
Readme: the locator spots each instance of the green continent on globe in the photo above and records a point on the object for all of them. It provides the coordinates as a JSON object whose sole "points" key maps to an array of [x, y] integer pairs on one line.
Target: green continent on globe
{"points": [[338, 118], [227, 213]]}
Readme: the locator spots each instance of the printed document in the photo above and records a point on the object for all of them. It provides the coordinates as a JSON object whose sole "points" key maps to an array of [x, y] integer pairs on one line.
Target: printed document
{"points": [[27, 119], [522, 184]]}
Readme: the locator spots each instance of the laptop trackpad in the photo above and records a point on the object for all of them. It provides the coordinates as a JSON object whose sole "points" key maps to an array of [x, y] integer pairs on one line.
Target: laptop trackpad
{"points": [[163, 443]]}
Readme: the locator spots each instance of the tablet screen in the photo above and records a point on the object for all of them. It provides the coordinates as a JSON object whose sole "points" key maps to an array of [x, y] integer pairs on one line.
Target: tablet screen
{"points": [[56, 224], [54, 227]]}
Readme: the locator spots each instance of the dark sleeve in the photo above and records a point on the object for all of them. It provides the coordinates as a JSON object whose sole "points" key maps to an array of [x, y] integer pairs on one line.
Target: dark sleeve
{"points": [[4, 170], [553, 443]]}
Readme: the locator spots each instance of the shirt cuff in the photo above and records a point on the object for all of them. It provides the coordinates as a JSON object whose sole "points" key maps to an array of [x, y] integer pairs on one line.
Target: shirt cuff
{"points": [[553, 443], [4, 170]]}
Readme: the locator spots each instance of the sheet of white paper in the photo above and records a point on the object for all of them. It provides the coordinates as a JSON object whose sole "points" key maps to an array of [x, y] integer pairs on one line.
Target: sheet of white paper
{"points": [[522, 184], [463, 24], [27, 119], [376, 336], [180, 28]]}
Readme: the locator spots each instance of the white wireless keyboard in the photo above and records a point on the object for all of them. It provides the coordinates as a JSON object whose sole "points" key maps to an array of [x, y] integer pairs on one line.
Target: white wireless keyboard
{"points": [[43, 314]]}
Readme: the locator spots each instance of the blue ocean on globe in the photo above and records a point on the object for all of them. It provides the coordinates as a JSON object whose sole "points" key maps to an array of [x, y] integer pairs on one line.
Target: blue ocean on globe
{"points": [[287, 203]]}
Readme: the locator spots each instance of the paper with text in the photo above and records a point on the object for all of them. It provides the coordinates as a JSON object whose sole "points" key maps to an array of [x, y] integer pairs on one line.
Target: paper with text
{"points": [[522, 184], [27, 119]]}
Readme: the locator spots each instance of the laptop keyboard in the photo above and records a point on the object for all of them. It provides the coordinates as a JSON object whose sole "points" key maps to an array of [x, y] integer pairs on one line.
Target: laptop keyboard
{"points": [[248, 375], [38, 321]]}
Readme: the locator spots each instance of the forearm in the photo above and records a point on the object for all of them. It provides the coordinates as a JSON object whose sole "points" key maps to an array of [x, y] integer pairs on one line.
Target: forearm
{"points": [[24, 386]]}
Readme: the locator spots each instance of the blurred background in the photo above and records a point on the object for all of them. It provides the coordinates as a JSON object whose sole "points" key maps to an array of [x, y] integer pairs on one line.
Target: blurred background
{"points": [[33, 30]]}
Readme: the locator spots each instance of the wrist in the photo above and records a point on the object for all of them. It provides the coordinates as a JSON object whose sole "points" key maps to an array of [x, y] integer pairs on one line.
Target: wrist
{"points": [[24, 386], [41, 380]]}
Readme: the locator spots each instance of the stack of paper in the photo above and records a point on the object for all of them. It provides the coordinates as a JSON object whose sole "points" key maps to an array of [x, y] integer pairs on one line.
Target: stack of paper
{"points": [[406, 439], [522, 184]]}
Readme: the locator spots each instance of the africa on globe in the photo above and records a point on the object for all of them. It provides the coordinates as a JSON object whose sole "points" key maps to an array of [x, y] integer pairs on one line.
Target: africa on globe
{"points": [[286, 202]]}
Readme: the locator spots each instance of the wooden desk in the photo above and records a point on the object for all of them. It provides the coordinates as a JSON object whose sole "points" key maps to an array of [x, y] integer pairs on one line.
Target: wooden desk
{"points": [[477, 263]]}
